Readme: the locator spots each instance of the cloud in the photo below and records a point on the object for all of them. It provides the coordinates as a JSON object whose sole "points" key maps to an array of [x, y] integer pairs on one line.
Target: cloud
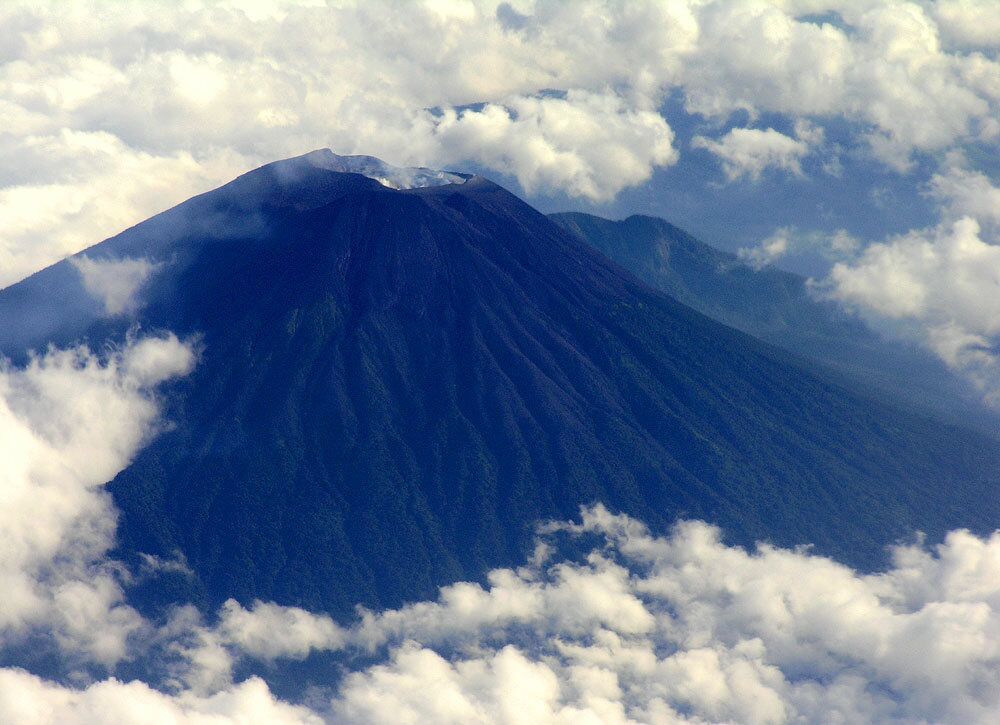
{"points": [[786, 240], [880, 64], [114, 282], [934, 285], [972, 23], [268, 632], [963, 192], [679, 628], [29, 700], [69, 421], [110, 117], [503, 687], [942, 283], [749, 151], [729, 635], [86, 186], [768, 251], [632, 628], [586, 144]]}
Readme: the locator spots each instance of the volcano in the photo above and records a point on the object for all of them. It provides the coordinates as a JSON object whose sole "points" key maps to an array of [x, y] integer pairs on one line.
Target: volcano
{"points": [[402, 372]]}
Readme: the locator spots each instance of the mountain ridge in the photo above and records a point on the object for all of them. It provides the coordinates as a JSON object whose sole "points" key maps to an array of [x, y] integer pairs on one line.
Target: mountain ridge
{"points": [[776, 306]]}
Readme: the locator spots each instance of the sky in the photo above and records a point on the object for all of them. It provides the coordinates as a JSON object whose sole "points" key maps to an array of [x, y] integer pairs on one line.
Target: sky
{"points": [[852, 141]]}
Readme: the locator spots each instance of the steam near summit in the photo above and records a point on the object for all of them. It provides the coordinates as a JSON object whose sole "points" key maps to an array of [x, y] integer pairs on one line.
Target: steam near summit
{"points": [[394, 177]]}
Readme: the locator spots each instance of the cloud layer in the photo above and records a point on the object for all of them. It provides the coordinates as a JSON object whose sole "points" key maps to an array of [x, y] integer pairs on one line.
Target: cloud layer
{"points": [[632, 628], [69, 422], [112, 113], [639, 629]]}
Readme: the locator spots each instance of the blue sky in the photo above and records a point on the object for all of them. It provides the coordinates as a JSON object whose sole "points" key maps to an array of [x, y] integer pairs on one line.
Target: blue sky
{"points": [[855, 142], [864, 197], [852, 141]]}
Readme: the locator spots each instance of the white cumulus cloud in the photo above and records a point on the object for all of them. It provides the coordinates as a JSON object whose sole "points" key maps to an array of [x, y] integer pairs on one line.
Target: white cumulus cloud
{"points": [[674, 629], [69, 421], [974, 23], [112, 115], [944, 281], [770, 636], [941, 283], [966, 192], [749, 151], [638, 628], [587, 144], [29, 700]]}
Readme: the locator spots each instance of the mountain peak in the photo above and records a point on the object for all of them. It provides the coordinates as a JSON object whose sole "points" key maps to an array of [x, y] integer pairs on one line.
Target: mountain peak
{"points": [[393, 177], [392, 387]]}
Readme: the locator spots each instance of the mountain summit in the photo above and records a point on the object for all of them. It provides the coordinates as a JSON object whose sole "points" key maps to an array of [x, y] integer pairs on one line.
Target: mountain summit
{"points": [[393, 177], [396, 384]]}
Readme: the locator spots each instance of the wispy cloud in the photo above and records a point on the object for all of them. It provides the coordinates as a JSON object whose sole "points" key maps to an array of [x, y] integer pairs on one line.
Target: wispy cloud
{"points": [[115, 282]]}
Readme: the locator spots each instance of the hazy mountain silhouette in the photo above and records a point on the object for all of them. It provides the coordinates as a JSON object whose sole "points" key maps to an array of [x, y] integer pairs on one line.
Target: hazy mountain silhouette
{"points": [[776, 306], [395, 385]]}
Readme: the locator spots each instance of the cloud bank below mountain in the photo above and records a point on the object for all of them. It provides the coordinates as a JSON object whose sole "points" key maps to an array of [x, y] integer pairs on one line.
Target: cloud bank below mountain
{"points": [[631, 627], [69, 422], [640, 628]]}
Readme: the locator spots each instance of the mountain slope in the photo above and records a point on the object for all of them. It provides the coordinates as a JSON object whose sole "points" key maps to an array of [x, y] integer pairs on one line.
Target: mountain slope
{"points": [[776, 306], [395, 385]]}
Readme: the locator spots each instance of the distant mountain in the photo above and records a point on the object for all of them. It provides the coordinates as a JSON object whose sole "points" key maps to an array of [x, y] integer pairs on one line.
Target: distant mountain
{"points": [[396, 385], [776, 306]]}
